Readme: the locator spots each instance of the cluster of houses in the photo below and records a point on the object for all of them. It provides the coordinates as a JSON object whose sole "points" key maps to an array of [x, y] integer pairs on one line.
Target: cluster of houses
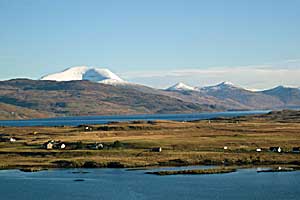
{"points": [[54, 145], [273, 149]]}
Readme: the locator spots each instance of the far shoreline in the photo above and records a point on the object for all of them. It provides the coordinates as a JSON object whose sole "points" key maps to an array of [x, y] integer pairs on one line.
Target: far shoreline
{"points": [[105, 119]]}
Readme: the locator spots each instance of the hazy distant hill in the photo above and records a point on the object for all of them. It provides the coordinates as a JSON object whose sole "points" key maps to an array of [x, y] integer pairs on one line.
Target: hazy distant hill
{"points": [[289, 96], [227, 91]]}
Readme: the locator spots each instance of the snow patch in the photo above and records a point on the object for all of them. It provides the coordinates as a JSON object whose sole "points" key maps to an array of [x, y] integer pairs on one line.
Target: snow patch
{"points": [[99, 75], [220, 86], [181, 87]]}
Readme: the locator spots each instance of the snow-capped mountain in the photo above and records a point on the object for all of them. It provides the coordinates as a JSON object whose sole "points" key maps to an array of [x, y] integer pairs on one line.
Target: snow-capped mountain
{"points": [[229, 92], [93, 74], [220, 86], [181, 87], [289, 95]]}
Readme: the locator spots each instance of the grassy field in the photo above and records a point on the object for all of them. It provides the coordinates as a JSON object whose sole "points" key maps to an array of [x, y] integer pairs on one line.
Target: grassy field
{"points": [[183, 143]]}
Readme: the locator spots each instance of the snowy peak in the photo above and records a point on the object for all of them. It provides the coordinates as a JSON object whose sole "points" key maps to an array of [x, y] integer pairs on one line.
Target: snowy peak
{"points": [[226, 83], [285, 87], [281, 88], [93, 74], [221, 86], [181, 87]]}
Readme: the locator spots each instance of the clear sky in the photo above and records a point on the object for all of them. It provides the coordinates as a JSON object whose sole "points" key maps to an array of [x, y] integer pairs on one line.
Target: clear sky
{"points": [[154, 37]]}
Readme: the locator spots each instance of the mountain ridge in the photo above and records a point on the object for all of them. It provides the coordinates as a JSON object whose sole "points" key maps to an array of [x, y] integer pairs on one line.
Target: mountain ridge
{"points": [[86, 90], [81, 97]]}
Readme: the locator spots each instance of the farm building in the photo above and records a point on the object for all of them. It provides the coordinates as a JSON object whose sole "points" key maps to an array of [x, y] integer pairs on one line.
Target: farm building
{"points": [[49, 145], [62, 146], [54, 145], [88, 128]]}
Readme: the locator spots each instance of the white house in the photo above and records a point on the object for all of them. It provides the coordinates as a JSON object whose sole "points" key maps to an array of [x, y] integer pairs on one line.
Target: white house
{"points": [[49, 145], [276, 149], [62, 146]]}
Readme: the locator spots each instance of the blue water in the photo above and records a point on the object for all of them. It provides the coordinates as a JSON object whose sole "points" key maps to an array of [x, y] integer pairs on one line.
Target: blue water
{"points": [[121, 184], [75, 121]]}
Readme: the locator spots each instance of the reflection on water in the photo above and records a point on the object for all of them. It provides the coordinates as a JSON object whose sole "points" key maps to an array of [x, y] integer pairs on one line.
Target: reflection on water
{"points": [[135, 184]]}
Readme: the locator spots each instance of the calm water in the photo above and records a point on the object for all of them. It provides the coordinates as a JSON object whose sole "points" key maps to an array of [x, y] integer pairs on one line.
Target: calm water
{"points": [[75, 121], [130, 185]]}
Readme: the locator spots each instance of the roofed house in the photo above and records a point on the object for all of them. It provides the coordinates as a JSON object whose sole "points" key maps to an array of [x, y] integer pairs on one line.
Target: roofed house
{"points": [[276, 149], [62, 146], [49, 145], [54, 145], [88, 128]]}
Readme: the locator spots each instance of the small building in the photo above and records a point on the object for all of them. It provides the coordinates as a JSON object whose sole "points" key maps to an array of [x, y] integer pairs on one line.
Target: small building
{"points": [[49, 145], [54, 145], [156, 149], [276, 149], [88, 128], [12, 139], [296, 150], [100, 146], [225, 148], [62, 146], [258, 150], [96, 146]]}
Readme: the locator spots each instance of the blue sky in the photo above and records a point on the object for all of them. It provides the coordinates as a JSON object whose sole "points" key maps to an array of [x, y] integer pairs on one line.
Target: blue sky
{"points": [[133, 38]]}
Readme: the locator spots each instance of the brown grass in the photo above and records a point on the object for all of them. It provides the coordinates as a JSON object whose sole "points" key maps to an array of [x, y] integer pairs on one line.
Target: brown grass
{"points": [[182, 143]]}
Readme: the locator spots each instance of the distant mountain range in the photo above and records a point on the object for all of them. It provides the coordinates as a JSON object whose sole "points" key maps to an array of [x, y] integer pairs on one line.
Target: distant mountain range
{"points": [[94, 91]]}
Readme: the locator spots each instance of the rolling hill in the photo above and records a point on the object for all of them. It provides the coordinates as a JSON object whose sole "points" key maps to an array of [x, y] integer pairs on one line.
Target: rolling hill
{"points": [[73, 98]]}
